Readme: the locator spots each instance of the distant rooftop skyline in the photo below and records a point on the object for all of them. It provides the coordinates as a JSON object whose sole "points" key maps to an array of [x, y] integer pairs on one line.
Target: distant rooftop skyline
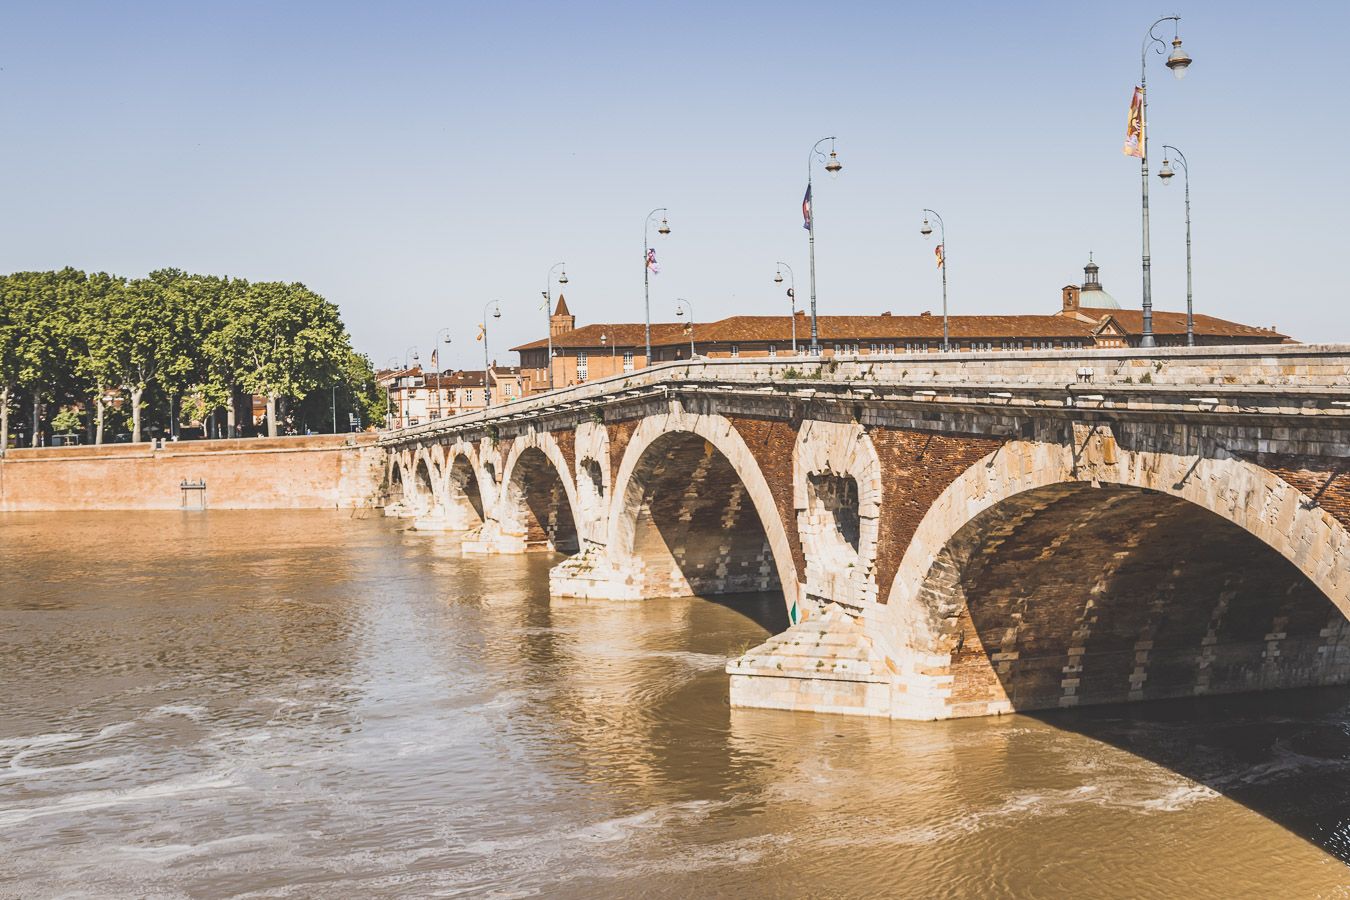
{"points": [[412, 162]]}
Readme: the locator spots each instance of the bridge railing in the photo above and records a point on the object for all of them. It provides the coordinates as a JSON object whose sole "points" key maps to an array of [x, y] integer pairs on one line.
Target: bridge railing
{"points": [[1292, 378]]}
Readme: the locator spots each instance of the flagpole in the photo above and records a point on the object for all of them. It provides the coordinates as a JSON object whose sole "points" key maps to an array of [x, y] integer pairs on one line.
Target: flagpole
{"points": [[832, 166], [646, 271], [548, 314], [1166, 175], [1146, 336]]}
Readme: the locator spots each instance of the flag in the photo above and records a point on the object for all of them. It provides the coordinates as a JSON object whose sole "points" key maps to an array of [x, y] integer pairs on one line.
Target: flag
{"points": [[482, 330], [792, 295], [937, 251], [544, 303], [1134, 129], [435, 366], [652, 265], [806, 208]]}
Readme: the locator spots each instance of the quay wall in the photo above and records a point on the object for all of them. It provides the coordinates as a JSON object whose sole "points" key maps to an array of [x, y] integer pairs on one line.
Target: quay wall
{"points": [[309, 472]]}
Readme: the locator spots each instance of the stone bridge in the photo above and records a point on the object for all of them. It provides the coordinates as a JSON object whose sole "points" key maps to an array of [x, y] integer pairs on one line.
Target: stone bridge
{"points": [[954, 535]]}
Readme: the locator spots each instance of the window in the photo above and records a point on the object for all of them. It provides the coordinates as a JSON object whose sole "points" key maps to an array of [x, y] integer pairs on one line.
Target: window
{"points": [[735, 349], [582, 367], [628, 360], [433, 414], [507, 389], [773, 351]]}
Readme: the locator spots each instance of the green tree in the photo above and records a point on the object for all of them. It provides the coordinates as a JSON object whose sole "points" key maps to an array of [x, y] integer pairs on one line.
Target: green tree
{"points": [[285, 341], [41, 310]]}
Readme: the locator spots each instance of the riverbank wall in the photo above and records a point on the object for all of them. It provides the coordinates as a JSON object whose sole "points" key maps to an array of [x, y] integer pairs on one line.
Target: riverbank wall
{"points": [[333, 471]]}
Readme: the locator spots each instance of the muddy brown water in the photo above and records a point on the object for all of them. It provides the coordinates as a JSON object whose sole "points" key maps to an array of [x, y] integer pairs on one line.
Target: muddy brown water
{"points": [[299, 704]]}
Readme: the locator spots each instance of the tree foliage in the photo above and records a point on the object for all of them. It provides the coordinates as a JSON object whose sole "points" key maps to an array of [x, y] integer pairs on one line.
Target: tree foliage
{"points": [[168, 343]]}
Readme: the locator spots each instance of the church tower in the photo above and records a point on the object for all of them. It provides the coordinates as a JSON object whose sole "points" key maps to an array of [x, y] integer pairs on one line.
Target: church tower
{"points": [[562, 320]]}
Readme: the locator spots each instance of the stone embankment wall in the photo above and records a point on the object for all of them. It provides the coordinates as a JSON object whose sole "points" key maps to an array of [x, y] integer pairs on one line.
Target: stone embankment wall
{"points": [[312, 472]]}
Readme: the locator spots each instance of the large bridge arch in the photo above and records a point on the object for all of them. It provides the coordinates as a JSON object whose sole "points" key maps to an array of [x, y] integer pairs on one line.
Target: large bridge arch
{"points": [[705, 453], [1096, 525], [537, 499], [465, 491]]}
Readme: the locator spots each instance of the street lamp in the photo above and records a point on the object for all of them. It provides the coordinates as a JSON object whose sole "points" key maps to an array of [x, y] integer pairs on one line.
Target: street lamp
{"points": [[647, 269], [435, 343], [496, 314], [613, 351], [832, 166], [1177, 61], [407, 391], [1166, 173], [941, 251], [679, 313], [548, 312], [792, 297]]}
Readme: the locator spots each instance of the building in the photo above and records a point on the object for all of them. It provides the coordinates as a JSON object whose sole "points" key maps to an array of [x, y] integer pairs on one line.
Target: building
{"points": [[414, 396], [1088, 318]]}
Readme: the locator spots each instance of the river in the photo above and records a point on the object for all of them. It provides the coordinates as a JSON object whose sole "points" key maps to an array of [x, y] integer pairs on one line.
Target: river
{"points": [[302, 704]]}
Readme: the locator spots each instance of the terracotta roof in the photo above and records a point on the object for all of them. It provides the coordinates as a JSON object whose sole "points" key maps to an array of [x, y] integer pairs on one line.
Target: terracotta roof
{"points": [[861, 329], [625, 334], [562, 309], [1167, 322]]}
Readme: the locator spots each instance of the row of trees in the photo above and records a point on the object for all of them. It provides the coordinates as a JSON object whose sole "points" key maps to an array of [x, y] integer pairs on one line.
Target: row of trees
{"points": [[81, 349]]}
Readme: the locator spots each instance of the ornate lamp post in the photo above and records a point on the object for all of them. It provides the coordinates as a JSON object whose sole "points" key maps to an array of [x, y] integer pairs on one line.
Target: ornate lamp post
{"points": [[647, 269], [446, 332], [407, 392], [792, 297], [487, 375], [833, 166], [548, 312], [679, 312], [926, 230], [1166, 173], [1177, 61]]}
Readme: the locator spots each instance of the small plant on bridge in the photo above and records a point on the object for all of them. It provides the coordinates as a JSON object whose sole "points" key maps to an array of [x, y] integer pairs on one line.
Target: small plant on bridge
{"points": [[493, 433]]}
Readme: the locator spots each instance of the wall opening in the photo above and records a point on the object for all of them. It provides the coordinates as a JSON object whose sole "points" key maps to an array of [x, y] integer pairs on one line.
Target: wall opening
{"points": [[837, 497], [537, 506], [1071, 595], [426, 492]]}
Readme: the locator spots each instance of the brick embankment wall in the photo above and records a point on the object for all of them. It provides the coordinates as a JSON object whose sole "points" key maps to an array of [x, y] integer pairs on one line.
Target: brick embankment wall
{"points": [[312, 472]]}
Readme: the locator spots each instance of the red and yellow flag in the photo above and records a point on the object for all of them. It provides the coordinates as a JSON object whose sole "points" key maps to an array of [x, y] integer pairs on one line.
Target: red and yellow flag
{"points": [[481, 331], [937, 252], [1134, 129]]}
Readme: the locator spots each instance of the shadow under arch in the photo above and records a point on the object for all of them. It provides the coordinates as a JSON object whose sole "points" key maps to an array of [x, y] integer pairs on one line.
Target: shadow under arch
{"points": [[537, 504], [692, 522], [1070, 595], [463, 493], [424, 481]]}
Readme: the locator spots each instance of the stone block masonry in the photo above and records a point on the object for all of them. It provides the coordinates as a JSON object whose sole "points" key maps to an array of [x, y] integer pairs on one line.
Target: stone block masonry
{"points": [[311, 472], [953, 535]]}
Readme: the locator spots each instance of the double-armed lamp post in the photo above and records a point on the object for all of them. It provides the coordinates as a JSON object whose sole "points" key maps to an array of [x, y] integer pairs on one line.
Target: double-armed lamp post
{"points": [[832, 166], [1165, 173], [664, 228], [1177, 61], [548, 312], [792, 297], [926, 230]]}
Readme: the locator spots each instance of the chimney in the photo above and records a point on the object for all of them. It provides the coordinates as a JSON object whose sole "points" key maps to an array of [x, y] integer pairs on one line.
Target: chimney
{"points": [[1072, 293]]}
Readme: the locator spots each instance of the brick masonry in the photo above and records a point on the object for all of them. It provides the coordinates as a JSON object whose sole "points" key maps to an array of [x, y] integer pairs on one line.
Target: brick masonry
{"points": [[990, 544]]}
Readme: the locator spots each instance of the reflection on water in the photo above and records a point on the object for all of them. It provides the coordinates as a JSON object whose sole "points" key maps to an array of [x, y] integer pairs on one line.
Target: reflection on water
{"points": [[298, 704]]}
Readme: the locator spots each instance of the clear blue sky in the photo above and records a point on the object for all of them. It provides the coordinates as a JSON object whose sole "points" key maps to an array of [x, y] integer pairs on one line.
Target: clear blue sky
{"points": [[414, 160]]}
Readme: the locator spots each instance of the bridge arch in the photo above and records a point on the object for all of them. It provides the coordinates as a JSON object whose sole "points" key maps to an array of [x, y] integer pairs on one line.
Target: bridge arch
{"points": [[538, 500], [466, 497], [425, 492], [693, 512], [1058, 575]]}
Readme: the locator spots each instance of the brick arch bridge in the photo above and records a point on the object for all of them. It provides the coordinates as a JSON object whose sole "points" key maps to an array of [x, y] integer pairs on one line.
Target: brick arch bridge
{"points": [[959, 535]]}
